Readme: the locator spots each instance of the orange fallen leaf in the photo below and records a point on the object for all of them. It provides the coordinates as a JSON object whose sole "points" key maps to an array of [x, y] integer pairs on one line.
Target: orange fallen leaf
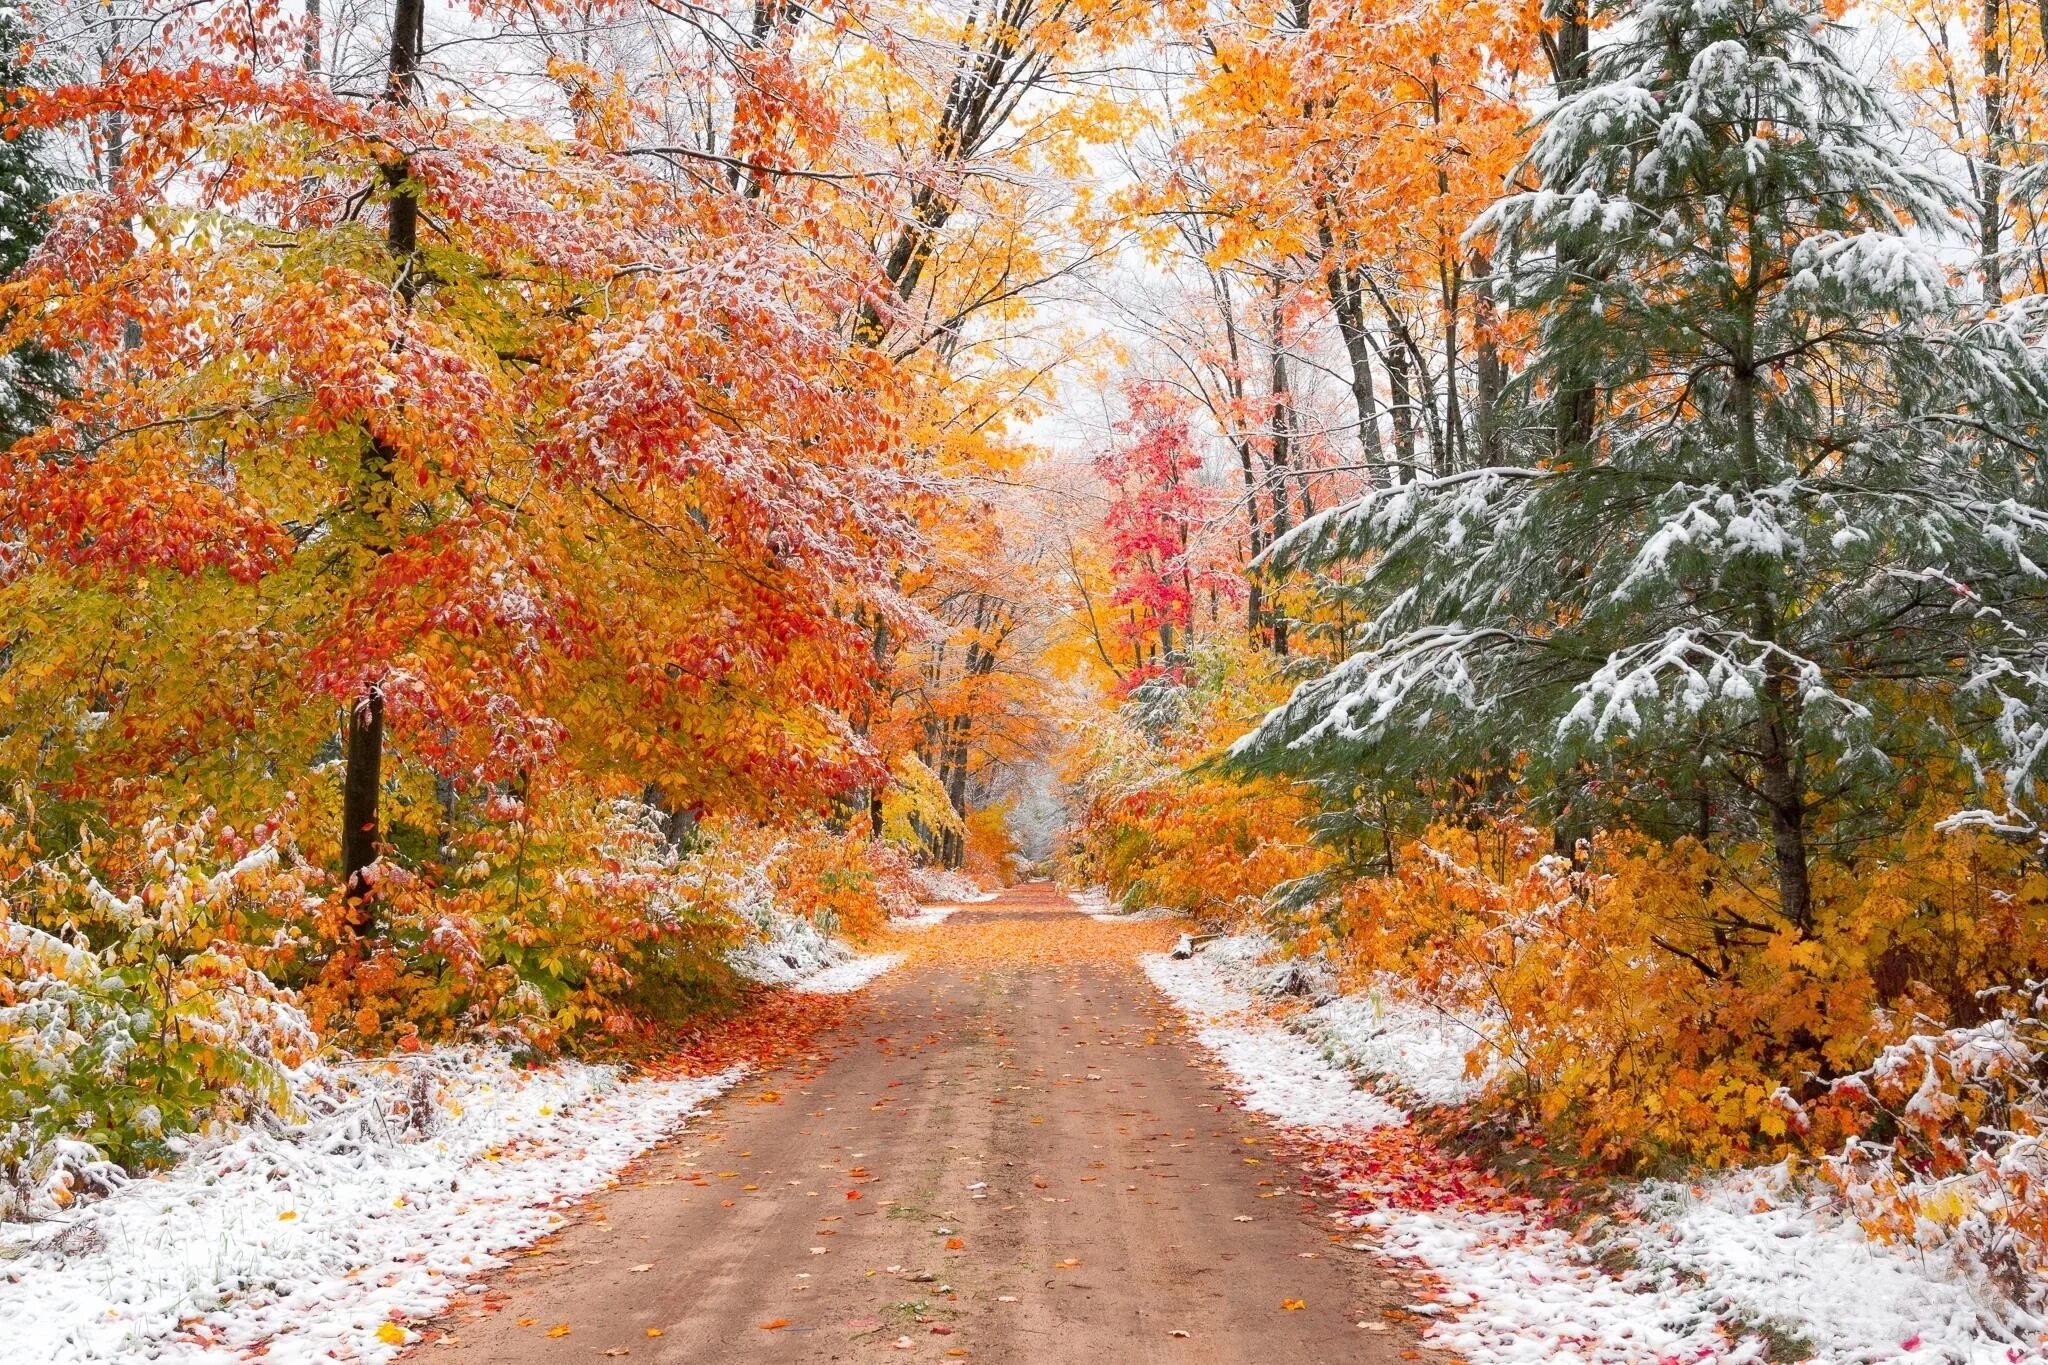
{"points": [[1293, 1305], [1067, 1264], [955, 1244], [774, 1324], [560, 1329], [853, 1194], [654, 1331], [526, 1322]]}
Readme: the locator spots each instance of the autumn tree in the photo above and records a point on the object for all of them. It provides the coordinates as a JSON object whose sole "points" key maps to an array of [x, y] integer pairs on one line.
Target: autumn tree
{"points": [[385, 407], [1807, 502]]}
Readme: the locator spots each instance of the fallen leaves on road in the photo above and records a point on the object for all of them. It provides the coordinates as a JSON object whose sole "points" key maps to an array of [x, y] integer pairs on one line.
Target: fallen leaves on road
{"points": [[774, 1324], [1293, 1305], [560, 1329]]}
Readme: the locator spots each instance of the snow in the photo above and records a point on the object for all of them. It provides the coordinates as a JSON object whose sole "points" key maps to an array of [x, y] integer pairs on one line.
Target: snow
{"points": [[1418, 1050], [944, 886], [850, 975], [1770, 1251], [1095, 902], [316, 1234], [1279, 1073], [1712, 1265]]}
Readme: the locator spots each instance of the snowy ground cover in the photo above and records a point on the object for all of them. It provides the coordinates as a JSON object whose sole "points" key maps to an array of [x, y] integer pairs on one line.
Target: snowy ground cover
{"points": [[1096, 903], [791, 951], [849, 975], [1717, 1269], [943, 886], [321, 1239], [324, 1237]]}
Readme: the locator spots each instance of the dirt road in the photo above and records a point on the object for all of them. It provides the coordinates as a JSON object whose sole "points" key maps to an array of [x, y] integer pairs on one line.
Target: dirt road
{"points": [[1010, 1153]]}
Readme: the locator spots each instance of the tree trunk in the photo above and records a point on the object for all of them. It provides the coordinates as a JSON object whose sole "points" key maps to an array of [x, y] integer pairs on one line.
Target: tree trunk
{"points": [[1491, 374], [1991, 173], [1349, 310], [1402, 403], [1783, 795], [362, 775], [1281, 446], [361, 783]]}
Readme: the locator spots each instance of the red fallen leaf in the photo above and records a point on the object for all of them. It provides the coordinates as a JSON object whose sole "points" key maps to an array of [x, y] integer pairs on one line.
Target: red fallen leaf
{"points": [[942, 1331], [1911, 1343], [853, 1194], [955, 1244]]}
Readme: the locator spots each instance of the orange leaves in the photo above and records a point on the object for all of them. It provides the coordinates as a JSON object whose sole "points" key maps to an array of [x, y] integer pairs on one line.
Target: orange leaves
{"points": [[1041, 934]]}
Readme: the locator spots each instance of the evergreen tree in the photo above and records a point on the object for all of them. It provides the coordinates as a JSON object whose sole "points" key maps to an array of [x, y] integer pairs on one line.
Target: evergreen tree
{"points": [[1774, 573], [30, 377]]}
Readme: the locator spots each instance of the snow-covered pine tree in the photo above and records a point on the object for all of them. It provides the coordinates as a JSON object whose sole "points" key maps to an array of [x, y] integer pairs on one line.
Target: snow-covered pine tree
{"points": [[1807, 510], [30, 377]]}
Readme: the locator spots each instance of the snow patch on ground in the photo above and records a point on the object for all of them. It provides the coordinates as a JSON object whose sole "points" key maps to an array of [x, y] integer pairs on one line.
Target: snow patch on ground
{"points": [[318, 1234], [927, 917], [1524, 1294], [786, 949], [1770, 1251], [1095, 902], [1419, 1050], [850, 975], [945, 886], [1714, 1263], [1280, 1074]]}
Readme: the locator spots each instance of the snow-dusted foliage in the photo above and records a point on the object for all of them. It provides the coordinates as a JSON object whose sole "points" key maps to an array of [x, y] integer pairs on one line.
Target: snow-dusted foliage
{"points": [[1956, 1161], [129, 1021], [1789, 546]]}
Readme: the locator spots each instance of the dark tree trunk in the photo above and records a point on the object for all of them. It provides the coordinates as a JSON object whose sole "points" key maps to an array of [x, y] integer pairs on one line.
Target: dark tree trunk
{"points": [[362, 775], [1991, 172], [361, 783], [1403, 404], [1490, 373], [1785, 798], [1348, 306]]}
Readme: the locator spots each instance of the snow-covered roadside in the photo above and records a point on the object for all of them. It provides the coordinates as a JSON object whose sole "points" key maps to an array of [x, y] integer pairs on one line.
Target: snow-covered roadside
{"points": [[927, 917], [323, 1237], [1714, 1265], [850, 975], [946, 887], [793, 952], [1095, 902]]}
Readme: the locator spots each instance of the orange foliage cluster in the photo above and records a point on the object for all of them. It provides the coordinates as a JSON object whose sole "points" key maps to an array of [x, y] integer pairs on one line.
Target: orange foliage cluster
{"points": [[1207, 849], [1647, 1002]]}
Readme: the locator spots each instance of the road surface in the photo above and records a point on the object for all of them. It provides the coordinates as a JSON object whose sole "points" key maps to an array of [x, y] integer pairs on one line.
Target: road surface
{"points": [[1010, 1153]]}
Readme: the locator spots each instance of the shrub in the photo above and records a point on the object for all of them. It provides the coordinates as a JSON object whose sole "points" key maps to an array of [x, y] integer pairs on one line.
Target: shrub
{"points": [[130, 1016]]}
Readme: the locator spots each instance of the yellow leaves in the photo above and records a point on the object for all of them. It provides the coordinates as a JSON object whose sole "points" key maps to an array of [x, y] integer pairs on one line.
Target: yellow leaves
{"points": [[391, 1334], [288, 1215], [1293, 1305], [560, 1329]]}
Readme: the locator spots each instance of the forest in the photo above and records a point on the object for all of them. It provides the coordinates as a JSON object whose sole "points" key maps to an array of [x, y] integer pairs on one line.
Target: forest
{"points": [[525, 525]]}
